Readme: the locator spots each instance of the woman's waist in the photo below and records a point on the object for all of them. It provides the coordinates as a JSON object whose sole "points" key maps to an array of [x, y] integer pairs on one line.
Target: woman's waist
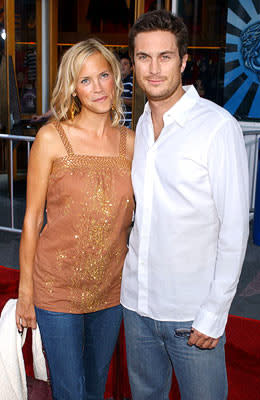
{"points": [[79, 275], [105, 229], [93, 246], [76, 296]]}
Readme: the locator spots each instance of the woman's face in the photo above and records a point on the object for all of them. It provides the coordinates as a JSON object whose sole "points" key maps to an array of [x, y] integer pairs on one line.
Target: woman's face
{"points": [[95, 86]]}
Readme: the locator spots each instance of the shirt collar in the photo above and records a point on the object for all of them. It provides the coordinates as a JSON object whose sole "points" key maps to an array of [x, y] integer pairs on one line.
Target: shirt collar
{"points": [[147, 109], [179, 112]]}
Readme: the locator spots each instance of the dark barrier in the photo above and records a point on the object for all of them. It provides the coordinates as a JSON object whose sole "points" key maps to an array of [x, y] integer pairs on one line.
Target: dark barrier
{"points": [[256, 224]]}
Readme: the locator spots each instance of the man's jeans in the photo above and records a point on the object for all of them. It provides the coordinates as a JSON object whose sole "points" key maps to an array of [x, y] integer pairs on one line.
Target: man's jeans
{"points": [[155, 347], [79, 348]]}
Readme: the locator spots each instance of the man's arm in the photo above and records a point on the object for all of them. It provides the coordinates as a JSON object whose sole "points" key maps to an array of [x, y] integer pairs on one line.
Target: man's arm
{"points": [[228, 176]]}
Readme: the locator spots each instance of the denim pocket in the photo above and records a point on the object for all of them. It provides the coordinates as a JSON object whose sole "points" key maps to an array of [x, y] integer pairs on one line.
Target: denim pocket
{"points": [[182, 332]]}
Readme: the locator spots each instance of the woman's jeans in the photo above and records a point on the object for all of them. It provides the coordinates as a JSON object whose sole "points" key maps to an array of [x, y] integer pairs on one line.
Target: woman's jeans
{"points": [[154, 348], [79, 348]]}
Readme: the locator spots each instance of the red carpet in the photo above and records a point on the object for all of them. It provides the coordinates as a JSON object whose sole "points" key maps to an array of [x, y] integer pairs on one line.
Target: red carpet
{"points": [[242, 353]]}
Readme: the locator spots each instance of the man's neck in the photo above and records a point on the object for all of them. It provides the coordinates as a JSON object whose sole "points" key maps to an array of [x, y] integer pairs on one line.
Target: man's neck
{"points": [[159, 108]]}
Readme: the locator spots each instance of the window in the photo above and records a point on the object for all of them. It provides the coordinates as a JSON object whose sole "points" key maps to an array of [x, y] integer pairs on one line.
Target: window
{"points": [[26, 54], [224, 53]]}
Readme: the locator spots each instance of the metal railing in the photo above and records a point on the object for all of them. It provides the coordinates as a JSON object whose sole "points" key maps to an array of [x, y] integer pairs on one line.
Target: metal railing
{"points": [[252, 148], [251, 141], [12, 139]]}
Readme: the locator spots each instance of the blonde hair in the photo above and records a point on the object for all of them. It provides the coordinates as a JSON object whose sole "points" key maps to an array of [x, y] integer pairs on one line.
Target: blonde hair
{"points": [[62, 96]]}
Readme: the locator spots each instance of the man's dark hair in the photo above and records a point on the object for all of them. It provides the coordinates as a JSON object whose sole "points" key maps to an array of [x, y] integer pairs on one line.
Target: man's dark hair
{"points": [[159, 20]]}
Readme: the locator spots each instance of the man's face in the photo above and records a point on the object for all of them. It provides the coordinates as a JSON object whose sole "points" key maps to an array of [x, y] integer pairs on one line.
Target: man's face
{"points": [[125, 67], [158, 66]]}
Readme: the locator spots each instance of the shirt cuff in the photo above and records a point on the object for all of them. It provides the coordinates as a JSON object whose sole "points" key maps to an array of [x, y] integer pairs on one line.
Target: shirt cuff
{"points": [[210, 324]]}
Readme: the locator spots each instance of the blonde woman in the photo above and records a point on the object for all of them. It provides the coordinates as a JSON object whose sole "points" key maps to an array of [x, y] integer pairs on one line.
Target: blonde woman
{"points": [[70, 273]]}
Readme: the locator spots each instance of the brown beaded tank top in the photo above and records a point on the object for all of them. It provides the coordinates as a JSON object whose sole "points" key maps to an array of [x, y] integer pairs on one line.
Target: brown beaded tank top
{"points": [[81, 250]]}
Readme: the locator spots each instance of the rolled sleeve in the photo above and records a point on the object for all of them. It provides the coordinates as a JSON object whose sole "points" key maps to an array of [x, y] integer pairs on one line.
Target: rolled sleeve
{"points": [[228, 175]]}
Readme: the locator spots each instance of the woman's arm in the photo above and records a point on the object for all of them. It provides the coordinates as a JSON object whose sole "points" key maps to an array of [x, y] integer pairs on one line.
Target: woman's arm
{"points": [[39, 168]]}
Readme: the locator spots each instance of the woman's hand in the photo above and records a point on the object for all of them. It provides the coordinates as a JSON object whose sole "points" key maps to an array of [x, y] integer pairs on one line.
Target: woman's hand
{"points": [[25, 314]]}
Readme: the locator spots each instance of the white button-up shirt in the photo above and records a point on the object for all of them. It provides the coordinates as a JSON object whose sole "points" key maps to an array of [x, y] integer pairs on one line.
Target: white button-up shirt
{"points": [[191, 227]]}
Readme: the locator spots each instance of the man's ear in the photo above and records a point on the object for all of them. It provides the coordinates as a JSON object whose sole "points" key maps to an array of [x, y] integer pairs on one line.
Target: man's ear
{"points": [[184, 62]]}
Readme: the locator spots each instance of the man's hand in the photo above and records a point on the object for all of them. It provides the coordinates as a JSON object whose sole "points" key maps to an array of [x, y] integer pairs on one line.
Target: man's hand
{"points": [[202, 341]]}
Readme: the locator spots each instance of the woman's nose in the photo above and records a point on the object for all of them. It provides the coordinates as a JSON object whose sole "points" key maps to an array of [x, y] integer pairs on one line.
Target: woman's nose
{"points": [[97, 85]]}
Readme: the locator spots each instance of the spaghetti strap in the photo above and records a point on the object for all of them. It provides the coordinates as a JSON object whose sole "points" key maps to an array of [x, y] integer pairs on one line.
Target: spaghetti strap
{"points": [[122, 144], [63, 137]]}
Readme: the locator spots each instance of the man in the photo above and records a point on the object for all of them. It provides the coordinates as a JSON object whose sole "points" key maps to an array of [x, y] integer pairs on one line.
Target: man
{"points": [[190, 234], [127, 79]]}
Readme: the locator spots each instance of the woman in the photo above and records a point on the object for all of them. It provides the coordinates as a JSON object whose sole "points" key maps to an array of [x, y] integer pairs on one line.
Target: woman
{"points": [[70, 273]]}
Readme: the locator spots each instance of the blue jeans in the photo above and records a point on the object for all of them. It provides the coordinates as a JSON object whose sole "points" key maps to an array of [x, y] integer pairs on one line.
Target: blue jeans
{"points": [[155, 347], [79, 348]]}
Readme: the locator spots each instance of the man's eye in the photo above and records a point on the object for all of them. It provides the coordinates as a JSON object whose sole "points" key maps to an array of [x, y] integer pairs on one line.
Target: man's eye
{"points": [[165, 57], [142, 57]]}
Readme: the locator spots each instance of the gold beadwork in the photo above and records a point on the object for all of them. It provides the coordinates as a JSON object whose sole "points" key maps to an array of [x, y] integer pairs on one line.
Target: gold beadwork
{"points": [[63, 137], [73, 160]]}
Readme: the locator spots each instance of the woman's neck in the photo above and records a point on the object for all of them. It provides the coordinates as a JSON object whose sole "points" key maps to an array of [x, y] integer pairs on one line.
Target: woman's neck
{"points": [[93, 122]]}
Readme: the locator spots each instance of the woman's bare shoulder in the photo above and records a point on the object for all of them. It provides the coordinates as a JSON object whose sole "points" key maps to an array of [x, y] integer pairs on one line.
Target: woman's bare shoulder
{"points": [[47, 133], [49, 139]]}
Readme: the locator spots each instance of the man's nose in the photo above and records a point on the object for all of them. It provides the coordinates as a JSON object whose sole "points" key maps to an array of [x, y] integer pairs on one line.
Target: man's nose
{"points": [[155, 66]]}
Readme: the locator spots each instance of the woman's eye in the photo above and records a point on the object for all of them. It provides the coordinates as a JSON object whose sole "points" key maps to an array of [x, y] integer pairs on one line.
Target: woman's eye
{"points": [[85, 80], [105, 75]]}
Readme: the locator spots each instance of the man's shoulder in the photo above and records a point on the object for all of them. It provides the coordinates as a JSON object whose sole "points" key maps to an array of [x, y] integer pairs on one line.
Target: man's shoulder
{"points": [[143, 126], [209, 111], [143, 117], [213, 107]]}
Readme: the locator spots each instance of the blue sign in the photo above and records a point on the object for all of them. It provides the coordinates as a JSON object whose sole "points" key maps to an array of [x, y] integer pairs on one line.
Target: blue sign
{"points": [[242, 60]]}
